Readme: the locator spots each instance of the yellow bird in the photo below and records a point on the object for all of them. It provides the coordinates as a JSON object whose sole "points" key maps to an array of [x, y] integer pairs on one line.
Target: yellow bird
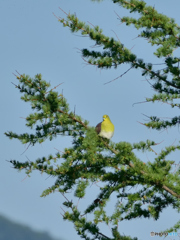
{"points": [[105, 128]]}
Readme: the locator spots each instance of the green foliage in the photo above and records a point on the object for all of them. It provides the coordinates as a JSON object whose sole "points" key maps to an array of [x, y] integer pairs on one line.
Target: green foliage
{"points": [[92, 159], [140, 189], [52, 116], [158, 29]]}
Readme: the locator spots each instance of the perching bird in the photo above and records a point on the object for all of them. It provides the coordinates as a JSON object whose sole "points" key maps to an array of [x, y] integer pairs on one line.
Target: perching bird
{"points": [[105, 128]]}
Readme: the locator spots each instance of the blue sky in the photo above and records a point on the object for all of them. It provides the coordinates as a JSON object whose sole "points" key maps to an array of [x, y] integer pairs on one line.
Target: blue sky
{"points": [[33, 41]]}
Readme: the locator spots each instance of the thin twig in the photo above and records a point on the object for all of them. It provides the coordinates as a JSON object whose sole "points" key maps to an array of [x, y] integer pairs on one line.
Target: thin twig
{"points": [[24, 178], [58, 150], [54, 87], [56, 16], [16, 85], [91, 24], [74, 110], [117, 15], [63, 209], [103, 235], [119, 76], [116, 35], [63, 11], [26, 149]]}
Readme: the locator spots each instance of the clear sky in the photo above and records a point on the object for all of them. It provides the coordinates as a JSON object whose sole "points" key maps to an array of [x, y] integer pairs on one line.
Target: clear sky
{"points": [[33, 41]]}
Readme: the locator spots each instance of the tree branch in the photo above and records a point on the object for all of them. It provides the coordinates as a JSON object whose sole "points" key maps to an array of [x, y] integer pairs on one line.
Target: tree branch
{"points": [[142, 172]]}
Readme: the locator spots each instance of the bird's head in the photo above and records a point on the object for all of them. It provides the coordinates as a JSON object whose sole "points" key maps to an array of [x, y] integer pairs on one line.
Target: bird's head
{"points": [[105, 117]]}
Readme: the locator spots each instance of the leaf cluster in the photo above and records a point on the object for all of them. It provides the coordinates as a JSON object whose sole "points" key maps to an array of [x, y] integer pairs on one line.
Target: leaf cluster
{"points": [[158, 30], [140, 189], [51, 116]]}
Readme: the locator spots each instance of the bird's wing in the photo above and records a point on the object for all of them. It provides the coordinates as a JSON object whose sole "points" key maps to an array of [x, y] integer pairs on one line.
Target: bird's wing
{"points": [[98, 128]]}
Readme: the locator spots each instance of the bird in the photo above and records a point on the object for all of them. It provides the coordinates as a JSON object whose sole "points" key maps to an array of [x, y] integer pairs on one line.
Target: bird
{"points": [[105, 128]]}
